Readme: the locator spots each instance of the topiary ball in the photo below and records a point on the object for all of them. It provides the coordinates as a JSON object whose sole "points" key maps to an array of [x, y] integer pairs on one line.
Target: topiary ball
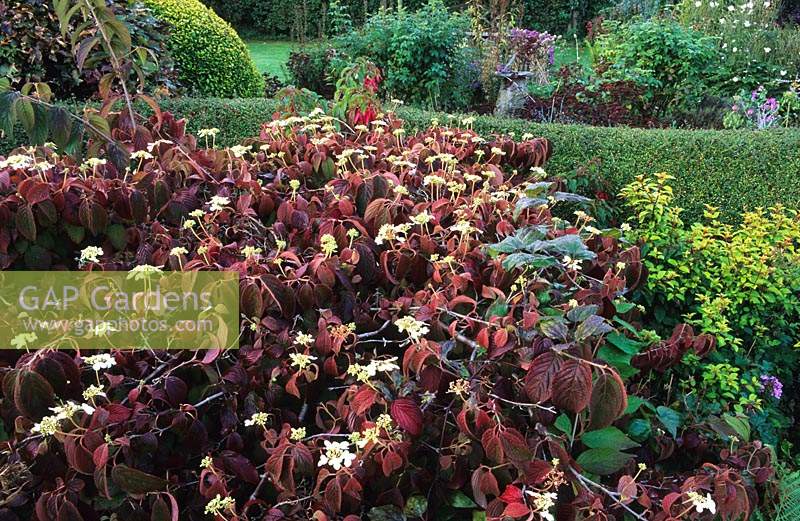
{"points": [[211, 58]]}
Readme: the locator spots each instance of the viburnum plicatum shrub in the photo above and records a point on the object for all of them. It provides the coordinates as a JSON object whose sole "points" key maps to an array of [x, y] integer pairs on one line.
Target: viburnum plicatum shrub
{"points": [[421, 339]]}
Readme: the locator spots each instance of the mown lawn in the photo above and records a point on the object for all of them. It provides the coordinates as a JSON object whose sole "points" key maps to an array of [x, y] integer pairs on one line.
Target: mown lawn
{"points": [[271, 56], [566, 53]]}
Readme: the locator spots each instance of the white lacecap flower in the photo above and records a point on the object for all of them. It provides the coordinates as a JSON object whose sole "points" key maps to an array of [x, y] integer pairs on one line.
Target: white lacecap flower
{"points": [[143, 271], [219, 202], [208, 132], [141, 154], [220, 504], [337, 454], [301, 360], [259, 418], [100, 361], [90, 254], [18, 161], [701, 503], [48, 426], [93, 391]]}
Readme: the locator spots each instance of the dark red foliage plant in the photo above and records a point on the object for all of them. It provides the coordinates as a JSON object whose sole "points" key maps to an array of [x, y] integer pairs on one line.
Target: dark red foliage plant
{"points": [[421, 339]]}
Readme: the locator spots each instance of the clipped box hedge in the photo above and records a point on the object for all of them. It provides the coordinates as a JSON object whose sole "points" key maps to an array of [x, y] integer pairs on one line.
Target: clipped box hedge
{"points": [[731, 169], [211, 58]]}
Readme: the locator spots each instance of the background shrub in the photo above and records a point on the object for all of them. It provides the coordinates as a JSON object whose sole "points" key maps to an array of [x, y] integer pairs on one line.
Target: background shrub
{"points": [[423, 54], [307, 19], [754, 47], [670, 61], [212, 59], [275, 19], [561, 16], [313, 18], [33, 50]]}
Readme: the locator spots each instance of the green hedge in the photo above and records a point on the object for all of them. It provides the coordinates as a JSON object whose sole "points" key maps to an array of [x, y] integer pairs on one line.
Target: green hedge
{"points": [[731, 169]]}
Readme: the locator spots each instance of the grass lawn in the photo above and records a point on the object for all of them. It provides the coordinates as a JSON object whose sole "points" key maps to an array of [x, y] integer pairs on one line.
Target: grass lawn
{"points": [[270, 56], [565, 53]]}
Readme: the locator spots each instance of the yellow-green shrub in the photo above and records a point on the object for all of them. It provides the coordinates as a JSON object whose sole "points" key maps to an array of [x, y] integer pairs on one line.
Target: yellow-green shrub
{"points": [[212, 59], [739, 282]]}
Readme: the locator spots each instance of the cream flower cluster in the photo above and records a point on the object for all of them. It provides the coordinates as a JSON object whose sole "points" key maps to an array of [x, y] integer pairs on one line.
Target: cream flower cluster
{"points": [[415, 329], [363, 373]]}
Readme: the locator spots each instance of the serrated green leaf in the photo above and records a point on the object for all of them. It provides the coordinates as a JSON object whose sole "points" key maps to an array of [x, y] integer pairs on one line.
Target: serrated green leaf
{"points": [[603, 461], [640, 430], [624, 343], [670, 418], [608, 438], [564, 424]]}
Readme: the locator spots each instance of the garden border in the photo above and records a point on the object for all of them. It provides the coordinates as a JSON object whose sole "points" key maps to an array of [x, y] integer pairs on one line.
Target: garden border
{"points": [[732, 169]]}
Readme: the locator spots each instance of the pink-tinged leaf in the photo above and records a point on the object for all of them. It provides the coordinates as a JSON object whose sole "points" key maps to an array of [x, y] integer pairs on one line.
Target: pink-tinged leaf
{"points": [[408, 415], [33, 190], [492, 445], [483, 482], [363, 400], [100, 455], [516, 510], [626, 488], [669, 500], [210, 356], [515, 446]]}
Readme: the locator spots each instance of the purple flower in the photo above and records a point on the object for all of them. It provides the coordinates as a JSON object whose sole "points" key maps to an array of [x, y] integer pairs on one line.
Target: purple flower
{"points": [[772, 385]]}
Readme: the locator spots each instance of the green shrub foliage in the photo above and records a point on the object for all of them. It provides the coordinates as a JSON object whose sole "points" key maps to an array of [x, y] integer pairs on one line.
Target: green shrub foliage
{"points": [[561, 16], [314, 18], [423, 54], [675, 64], [308, 19], [213, 60]]}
